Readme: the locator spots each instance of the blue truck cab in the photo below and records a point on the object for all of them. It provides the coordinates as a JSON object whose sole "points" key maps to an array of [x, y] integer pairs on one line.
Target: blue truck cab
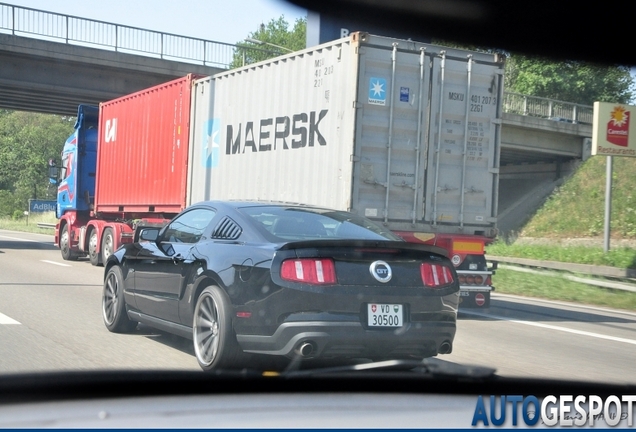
{"points": [[76, 186], [76, 183]]}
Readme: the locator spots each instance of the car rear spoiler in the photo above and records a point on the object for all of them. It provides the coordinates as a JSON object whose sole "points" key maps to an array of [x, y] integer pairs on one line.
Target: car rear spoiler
{"points": [[380, 244]]}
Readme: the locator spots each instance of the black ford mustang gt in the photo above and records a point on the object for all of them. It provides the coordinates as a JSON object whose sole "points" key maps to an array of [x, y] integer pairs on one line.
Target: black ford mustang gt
{"points": [[243, 279]]}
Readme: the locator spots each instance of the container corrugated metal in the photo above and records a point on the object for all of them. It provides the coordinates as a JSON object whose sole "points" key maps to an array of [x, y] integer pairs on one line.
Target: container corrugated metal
{"points": [[402, 132], [427, 136], [280, 130], [143, 147]]}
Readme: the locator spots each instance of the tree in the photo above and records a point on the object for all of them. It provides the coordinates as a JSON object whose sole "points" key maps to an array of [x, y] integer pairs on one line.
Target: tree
{"points": [[569, 81], [27, 141], [276, 32]]}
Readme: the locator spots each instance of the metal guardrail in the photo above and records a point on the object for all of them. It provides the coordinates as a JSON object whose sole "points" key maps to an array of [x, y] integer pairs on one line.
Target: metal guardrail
{"points": [[552, 109], [593, 270], [562, 270], [617, 276], [22, 21], [601, 283], [46, 225]]}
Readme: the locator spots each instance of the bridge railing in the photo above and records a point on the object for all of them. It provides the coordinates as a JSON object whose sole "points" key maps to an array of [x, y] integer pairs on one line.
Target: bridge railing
{"points": [[22, 21], [68, 29], [534, 106]]}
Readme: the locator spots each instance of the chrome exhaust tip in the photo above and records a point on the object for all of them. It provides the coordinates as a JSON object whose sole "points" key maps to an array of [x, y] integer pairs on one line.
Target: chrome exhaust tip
{"points": [[305, 349], [445, 348]]}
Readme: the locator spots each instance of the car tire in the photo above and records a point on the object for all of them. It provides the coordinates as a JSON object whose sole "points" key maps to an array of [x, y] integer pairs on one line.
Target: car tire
{"points": [[65, 245], [113, 303], [93, 253], [215, 345], [108, 244]]}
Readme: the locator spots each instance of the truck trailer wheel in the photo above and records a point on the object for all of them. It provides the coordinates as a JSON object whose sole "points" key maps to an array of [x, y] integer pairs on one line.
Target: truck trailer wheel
{"points": [[93, 252], [65, 245], [108, 244]]}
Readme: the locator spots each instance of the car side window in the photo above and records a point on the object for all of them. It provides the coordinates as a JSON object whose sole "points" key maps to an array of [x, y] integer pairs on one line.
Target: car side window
{"points": [[189, 227]]}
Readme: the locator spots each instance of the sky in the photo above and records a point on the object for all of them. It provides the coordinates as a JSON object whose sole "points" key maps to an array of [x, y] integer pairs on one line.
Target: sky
{"points": [[227, 21]]}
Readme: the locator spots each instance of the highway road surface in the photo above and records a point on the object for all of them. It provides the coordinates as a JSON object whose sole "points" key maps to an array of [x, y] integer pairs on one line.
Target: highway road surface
{"points": [[50, 319]]}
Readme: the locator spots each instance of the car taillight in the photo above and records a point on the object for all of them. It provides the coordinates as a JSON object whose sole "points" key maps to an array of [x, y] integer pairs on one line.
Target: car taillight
{"points": [[435, 275], [315, 271]]}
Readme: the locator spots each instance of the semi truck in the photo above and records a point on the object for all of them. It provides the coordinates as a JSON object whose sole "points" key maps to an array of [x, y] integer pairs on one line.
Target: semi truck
{"points": [[125, 164], [403, 133]]}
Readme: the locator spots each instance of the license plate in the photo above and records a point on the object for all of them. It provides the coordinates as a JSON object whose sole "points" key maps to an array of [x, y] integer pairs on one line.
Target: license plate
{"points": [[385, 315]]}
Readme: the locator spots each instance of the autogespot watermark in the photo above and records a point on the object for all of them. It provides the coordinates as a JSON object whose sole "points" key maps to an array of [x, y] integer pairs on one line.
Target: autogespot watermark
{"points": [[561, 410]]}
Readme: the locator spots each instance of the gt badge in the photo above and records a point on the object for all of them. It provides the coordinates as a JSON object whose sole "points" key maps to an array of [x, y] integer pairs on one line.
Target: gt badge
{"points": [[381, 271]]}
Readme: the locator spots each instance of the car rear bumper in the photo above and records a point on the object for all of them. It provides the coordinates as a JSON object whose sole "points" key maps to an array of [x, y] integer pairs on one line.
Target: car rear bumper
{"points": [[324, 339]]}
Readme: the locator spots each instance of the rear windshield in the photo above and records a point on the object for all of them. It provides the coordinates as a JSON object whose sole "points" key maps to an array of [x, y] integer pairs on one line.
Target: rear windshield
{"points": [[292, 223]]}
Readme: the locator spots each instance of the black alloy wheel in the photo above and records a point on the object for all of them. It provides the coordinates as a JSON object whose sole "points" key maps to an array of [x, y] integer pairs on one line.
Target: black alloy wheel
{"points": [[113, 303], [215, 344]]}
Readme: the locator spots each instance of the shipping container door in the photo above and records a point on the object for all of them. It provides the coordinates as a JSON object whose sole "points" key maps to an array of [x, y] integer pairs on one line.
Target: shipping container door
{"points": [[463, 152], [393, 93]]}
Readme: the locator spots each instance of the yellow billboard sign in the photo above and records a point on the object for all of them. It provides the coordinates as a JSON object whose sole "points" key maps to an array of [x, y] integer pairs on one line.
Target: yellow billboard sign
{"points": [[611, 132]]}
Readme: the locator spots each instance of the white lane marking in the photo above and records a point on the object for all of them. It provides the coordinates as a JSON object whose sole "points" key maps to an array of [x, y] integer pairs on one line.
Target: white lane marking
{"points": [[552, 327], [56, 263], [6, 320], [24, 240]]}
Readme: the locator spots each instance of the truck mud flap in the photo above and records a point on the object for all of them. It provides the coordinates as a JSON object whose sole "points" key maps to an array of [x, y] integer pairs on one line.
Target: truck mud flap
{"points": [[474, 299]]}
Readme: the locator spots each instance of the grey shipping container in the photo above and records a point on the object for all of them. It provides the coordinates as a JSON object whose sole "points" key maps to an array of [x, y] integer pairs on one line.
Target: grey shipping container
{"points": [[401, 132]]}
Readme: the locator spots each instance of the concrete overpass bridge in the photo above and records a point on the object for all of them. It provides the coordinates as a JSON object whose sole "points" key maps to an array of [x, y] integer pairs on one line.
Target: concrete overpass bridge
{"points": [[542, 142], [50, 63]]}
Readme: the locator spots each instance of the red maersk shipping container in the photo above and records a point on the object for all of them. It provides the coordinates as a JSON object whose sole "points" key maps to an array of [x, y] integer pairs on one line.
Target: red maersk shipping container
{"points": [[143, 144]]}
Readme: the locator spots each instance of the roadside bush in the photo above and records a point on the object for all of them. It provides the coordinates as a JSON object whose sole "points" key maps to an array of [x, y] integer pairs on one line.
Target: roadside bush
{"points": [[7, 203], [17, 214]]}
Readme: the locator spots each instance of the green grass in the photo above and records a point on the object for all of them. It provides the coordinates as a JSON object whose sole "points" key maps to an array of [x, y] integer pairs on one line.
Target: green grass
{"points": [[577, 208], [557, 288], [30, 224], [619, 257]]}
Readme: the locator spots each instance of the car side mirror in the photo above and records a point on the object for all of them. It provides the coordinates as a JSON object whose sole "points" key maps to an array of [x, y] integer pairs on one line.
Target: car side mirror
{"points": [[148, 234], [53, 173]]}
